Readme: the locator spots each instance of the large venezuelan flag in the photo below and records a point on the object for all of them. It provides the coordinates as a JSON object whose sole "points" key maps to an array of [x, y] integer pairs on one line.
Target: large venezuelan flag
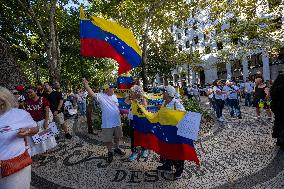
{"points": [[102, 38], [158, 132]]}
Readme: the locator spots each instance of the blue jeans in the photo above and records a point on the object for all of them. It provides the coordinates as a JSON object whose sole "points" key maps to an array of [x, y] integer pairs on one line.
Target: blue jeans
{"points": [[82, 107], [212, 103], [248, 99], [234, 107], [219, 104]]}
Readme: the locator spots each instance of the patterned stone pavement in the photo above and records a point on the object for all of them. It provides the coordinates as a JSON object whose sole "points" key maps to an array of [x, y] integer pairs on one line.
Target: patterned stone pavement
{"points": [[236, 154]]}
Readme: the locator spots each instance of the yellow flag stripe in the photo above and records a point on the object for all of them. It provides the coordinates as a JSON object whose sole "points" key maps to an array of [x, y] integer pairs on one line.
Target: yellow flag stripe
{"points": [[121, 32], [164, 116]]}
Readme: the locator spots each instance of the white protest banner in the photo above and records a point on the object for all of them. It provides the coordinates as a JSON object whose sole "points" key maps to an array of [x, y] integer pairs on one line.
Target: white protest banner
{"points": [[45, 134], [188, 127]]}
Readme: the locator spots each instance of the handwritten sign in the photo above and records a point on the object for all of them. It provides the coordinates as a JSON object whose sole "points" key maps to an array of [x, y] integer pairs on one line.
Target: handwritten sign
{"points": [[45, 134], [188, 127]]}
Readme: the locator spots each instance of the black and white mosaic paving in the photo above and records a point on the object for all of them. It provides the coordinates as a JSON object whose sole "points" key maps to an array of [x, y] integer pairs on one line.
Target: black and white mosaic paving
{"points": [[236, 154]]}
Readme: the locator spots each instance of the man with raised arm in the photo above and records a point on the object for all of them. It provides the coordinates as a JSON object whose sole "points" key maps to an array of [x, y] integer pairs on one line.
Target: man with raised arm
{"points": [[111, 122]]}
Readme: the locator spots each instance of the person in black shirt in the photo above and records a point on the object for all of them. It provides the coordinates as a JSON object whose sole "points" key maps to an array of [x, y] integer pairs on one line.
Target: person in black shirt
{"points": [[277, 104], [262, 98], [55, 99]]}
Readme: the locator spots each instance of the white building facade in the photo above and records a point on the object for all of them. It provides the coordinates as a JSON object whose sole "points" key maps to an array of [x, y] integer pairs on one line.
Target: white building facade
{"points": [[192, 37]]}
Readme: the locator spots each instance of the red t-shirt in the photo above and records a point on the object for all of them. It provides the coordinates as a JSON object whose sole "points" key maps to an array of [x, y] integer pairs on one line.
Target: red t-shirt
{"points": [[36, 108]]}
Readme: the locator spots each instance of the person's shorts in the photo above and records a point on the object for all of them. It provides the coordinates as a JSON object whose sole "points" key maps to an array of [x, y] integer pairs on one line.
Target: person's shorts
{"points": [[264, 104], [59, 118], [109, 133]]}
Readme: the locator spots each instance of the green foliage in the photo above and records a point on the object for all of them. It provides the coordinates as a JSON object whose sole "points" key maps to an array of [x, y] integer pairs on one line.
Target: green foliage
{"points": [[162, 58], [136, 14], [194, 106]]}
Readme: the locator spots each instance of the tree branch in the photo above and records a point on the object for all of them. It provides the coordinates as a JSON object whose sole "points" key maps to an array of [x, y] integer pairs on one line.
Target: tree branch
{"points": [[32, 14]]}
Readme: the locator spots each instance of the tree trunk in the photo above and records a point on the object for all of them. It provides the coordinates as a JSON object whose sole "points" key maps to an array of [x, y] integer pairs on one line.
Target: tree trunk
{"points": [[50, 41], [145, 40], [54, 64], [144, 60]]}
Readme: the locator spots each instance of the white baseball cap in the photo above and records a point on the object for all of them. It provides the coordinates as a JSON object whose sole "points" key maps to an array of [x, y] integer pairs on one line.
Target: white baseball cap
{"points": [[170, 90]]}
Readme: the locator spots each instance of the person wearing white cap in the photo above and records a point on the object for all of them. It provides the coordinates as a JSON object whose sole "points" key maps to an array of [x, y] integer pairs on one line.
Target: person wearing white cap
{"points": [[171, 102], [111, 121]]}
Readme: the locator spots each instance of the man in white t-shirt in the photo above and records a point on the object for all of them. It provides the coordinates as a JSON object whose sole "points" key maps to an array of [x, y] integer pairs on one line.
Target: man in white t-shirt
{"points": [[111, 122], [249, 86]]}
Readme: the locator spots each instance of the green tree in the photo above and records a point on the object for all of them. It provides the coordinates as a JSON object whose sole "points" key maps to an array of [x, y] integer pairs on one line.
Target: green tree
{"points": [[147, 19]]}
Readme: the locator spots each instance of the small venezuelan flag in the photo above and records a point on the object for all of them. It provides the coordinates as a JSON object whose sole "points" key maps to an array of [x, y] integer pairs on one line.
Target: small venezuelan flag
{"points": [[103, 38], [158, 132]]}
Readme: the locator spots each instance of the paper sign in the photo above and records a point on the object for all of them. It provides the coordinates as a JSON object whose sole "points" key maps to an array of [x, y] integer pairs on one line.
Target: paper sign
{"points": [[188, 127], [45, 134]]}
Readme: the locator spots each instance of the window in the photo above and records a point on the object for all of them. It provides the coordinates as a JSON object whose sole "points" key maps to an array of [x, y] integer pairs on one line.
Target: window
{"points": [[185, 31], [179, 36], [255, 61], [219, 45], [187, 44], [180, 48], [195, 39], [205, 37], [235, 40], [194, 26], [237, 65]]}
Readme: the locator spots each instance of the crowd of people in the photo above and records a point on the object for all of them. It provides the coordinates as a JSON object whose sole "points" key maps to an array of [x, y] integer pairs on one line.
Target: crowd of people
{"points": [[256, 94], [24, 111]]}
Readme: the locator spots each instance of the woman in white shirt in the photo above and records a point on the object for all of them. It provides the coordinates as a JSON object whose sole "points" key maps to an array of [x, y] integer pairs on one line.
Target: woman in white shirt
{"points": [[219, 95], [171, 102], [15, 124]]}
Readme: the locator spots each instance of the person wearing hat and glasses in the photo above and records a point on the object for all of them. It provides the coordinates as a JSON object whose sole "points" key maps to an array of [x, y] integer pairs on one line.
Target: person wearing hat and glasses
{"points": [[171, 102], [111, 121]]}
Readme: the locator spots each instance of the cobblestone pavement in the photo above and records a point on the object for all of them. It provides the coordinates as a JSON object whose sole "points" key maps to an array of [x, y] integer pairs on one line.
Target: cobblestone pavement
{"points": [[236, 154]]}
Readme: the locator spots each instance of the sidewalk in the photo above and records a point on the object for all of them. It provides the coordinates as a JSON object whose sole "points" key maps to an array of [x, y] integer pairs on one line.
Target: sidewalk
{"points": [[238, 154]]}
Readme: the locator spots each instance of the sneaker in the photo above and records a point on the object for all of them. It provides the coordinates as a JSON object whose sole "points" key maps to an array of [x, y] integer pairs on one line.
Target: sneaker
{"points": [[164, 168], [109, 157], [144, 153], [119, 152], [221, 119], [177, 176], [270, 119], [68, 136], [240, 117], [133, 156]]}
